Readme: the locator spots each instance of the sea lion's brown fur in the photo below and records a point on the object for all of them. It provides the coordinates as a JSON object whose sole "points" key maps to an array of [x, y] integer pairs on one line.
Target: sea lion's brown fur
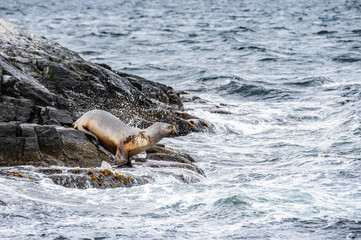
{"points": [[118, 138]]}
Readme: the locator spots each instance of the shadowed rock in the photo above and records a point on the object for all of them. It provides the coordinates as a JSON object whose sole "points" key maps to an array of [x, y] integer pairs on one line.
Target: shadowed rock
{"points": [[45, 83], [31, 144], [49, 148], [45, 87]]}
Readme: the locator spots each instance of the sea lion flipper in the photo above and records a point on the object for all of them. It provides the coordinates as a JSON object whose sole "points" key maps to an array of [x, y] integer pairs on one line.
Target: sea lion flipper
{"points": [[106, 130], [93, 138], [121, 155]]}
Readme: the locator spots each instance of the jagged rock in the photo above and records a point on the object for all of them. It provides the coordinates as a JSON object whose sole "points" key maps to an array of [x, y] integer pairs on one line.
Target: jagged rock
{"points": [[166, 157], [145, 171], [83, 178], [51, 145], [153, 90], [51, 115], [45, 83], [98, 178], [45, 87], [45, 145], [158, 152]]}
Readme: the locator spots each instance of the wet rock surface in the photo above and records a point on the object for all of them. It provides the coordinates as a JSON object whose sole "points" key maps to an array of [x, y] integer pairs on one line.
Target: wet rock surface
{"points": [[46, 145], [45, 87], [45, 83], [145, 170]]}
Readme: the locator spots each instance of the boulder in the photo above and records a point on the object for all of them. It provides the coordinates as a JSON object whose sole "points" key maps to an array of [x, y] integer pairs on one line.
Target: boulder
{"points": [[47, 145], [45, 83], [50, 148], [45, 87]]}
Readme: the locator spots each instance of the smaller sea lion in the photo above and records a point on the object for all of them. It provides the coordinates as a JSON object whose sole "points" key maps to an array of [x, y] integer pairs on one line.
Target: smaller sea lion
{"points": [[118, 138]]}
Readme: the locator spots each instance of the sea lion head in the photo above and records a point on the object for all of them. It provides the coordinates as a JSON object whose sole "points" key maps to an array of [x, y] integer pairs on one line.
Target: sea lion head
{"points": [[160, 130]]}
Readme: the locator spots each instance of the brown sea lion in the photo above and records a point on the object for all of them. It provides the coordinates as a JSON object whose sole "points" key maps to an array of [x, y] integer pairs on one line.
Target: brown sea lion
{"points": [[118, 138]]}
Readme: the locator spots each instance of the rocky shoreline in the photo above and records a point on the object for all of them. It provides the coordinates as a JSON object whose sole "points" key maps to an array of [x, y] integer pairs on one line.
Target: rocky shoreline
{"points": [[46, 87]]}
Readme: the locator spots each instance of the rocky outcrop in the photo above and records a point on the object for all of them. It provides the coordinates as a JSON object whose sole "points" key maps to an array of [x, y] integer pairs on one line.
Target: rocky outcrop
{"points": [[45, 83], [47, 145], [178, 166], [45, 87]]}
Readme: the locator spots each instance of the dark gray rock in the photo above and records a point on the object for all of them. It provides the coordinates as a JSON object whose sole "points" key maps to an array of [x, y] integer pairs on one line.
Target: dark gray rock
{"points": [[166, 157], [8, 146], [97, 178], [62, 117], [79, 151], [47, 145], [7, 130], [49, 140], [1, 79], [158, 152], [83, 178], [45, 87], [45, 83], [153, 90], [29, 144], [13, 109]]}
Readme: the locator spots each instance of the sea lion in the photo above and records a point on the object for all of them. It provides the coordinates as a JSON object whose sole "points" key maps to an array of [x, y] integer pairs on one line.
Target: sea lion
{"points": [[118, 138]]}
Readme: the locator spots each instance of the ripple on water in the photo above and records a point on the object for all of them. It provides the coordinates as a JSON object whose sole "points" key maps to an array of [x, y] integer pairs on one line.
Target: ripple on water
{"points": [[238, 87], [309, 82], [231, 201]]}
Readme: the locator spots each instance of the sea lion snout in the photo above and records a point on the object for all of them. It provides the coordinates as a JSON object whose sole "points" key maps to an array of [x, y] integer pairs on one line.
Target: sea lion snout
{"points": [[170, 129]]}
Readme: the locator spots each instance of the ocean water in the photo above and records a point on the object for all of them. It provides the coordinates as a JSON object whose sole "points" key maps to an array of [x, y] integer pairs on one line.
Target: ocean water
{"points": [[282, 84]]}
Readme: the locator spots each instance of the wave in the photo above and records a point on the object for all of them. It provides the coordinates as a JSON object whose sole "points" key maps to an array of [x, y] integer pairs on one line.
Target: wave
{"points": [[113, 33], [221, 77], [237, 86], [254, 91], [309, 82], [346, 58], [252, 48], [248, 90], [325, 32], [231, 201], [350, 93], [268, 59]]}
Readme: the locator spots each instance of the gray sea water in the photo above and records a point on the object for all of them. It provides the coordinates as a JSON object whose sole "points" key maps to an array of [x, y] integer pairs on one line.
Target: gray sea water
{"points": [[285, 163]]}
